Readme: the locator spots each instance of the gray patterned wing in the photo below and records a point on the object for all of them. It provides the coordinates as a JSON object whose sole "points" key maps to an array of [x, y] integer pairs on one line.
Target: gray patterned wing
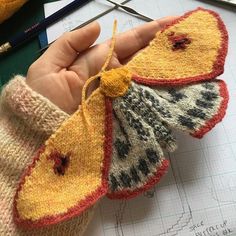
{"points": [[142, 123], [194, 109]]}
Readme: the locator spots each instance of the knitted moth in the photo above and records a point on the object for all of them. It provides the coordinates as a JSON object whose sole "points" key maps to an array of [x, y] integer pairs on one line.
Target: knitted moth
{"points": [[171, 84]]}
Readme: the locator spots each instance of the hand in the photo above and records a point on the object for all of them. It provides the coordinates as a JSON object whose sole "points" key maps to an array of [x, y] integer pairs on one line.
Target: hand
{"points": [[60, 73]]}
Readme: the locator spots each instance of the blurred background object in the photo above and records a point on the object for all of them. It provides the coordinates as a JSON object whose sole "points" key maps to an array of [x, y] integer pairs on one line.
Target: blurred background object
{"points": [[9, 7]]}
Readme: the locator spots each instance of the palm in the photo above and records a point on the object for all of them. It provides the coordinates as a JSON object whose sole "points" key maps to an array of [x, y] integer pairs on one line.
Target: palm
{"points": [[61, 72], [57, 88]]}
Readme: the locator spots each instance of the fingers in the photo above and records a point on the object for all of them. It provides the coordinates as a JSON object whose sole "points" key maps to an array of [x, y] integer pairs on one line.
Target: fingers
{"points": [[127, 45], [133, 40], [90, 62], [65, 50]]}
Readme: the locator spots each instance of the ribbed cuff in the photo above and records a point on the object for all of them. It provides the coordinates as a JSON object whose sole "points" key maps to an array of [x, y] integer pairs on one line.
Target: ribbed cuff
{"points": [[36, 111], [26, 119]]}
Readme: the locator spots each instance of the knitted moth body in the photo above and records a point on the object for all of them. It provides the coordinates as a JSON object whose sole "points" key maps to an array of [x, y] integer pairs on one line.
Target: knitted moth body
{"points": [[117, 147]]}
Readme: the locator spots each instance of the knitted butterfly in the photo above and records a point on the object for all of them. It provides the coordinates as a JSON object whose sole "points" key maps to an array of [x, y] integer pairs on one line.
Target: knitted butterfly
{"points": [[119, 153]]}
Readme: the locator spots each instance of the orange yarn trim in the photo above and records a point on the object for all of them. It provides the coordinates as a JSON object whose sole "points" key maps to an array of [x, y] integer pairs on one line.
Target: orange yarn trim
{"points": [[127, 194], [220, 114], [88, 201], [218, 67]]}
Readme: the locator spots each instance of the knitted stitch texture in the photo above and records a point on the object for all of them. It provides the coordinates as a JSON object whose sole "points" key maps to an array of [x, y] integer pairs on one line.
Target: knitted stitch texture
{"points": [[71, 178], [9, 7], [26, 120], [190, 49], [114, 144], [142, 130]]}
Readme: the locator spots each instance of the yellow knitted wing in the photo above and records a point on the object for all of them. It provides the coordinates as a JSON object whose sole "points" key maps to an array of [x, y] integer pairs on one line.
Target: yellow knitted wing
{"points": [[69, 174], [192, 48]]}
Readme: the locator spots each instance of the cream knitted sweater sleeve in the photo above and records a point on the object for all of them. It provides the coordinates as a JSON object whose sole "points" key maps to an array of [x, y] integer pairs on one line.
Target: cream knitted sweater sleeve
{"points": [[26, 120]]}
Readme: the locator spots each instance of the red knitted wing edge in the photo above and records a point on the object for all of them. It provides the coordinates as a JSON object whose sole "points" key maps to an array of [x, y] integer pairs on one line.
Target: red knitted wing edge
{"points": [[218, 67], [126, 194], [219, 115], [89, 200]]}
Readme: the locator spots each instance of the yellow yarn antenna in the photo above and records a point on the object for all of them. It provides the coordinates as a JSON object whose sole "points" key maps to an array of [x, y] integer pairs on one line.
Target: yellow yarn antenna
{"points": [[112, 47], [87, 83]]}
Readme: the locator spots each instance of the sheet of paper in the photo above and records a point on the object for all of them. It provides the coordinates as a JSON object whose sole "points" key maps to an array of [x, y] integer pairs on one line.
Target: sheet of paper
{"points": [[198, 195], [85, 13]]}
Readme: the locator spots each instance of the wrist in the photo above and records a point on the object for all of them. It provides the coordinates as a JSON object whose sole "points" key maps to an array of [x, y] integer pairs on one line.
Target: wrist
{"points": [[32, 108]]}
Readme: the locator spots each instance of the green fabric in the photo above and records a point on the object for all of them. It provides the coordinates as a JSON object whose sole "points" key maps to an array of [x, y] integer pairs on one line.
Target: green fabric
{"points": [[18, 60]]}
